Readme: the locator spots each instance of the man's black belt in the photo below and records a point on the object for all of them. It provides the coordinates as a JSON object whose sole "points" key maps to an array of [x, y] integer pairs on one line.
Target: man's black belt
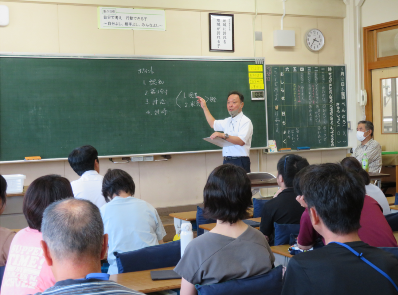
{"points": [[233, 158]]}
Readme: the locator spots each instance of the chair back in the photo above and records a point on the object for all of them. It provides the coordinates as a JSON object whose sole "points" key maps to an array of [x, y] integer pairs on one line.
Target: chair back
{"points": [[283, 233], [392, 220], [164, 255], [265, 284], [200, 219], [392, 250], [2, 269], [258, 205]]}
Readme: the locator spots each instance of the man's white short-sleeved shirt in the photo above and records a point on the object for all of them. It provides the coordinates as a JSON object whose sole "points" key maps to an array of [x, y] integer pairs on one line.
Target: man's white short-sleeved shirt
{"points": [[89, 187], [240, 126], [131, 224]]}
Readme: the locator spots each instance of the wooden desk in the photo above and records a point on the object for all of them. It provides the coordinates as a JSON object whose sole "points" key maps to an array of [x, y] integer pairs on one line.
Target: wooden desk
{"points": [[20, 194], [390, 200], [395, 235], [378, 177], [281, 250], [210, 226], [187, 216], [141, 281]]}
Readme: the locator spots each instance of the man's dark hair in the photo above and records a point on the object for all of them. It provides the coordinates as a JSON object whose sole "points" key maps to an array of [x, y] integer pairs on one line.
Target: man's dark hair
{"points": [[227, 194], [73, 228], [351, 163], [336, 194], [289, 165], [241, 97], [3, 189], [42, 192], [115, 181], [82, 159], [368, 126]]}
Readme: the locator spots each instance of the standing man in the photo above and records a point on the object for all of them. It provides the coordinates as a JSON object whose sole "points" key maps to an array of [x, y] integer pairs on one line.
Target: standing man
{"points": [[368, 146], [237, 129]]}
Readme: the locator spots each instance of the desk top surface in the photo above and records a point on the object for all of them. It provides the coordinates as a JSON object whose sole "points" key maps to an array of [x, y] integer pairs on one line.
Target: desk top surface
{"points": [[191, 215], [141, 281], [20, 194], [188, 216], [210, 226], [281, 250], [390, 200], [373, 175]]}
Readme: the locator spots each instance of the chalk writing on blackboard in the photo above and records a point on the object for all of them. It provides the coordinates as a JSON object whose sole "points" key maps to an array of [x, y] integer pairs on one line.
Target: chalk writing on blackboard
{"points": [[307, 106]]}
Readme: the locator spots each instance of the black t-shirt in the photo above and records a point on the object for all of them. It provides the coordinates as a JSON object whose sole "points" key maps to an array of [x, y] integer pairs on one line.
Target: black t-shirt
{"points": [[334, 269], [284, 209]]}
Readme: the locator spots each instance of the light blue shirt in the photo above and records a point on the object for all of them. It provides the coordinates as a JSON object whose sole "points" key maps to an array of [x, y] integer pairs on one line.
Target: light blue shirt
{"points": [[131, 224]]}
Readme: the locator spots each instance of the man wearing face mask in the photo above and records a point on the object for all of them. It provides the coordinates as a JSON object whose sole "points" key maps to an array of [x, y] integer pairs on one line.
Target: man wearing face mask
{"points": [[237, 129], [368, 146]]}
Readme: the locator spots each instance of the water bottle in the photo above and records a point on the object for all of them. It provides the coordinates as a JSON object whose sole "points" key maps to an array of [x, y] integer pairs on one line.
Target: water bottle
{"points": [[186, 236], [365, 162]]}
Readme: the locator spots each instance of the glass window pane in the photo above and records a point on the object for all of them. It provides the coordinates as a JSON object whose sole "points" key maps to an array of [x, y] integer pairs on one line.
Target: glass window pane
{"points": [[387, 43], [387, 105]]}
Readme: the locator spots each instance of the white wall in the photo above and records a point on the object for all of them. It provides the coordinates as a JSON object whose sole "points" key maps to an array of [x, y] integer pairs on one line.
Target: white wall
{"points": [[71, 27], [379, 11]]}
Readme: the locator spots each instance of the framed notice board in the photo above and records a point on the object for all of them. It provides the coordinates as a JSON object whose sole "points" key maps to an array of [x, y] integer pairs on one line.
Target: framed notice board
{"points": [[123, 106], [307, 106]]}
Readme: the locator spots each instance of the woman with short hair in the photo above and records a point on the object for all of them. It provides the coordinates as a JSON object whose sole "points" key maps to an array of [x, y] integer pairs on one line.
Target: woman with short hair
{"points": [[232, 250], [26, 270]]}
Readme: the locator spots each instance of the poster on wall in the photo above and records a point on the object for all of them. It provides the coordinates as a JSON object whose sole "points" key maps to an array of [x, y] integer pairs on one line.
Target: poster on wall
{"points": [[221, 32], [116, 18]]}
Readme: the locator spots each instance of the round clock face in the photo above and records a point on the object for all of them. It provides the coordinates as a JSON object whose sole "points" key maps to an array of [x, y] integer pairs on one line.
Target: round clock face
{"points": [[314, 40]]}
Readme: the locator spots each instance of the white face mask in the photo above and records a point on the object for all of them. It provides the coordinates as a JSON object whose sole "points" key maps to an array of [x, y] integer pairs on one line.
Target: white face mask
{"points": [[234, 113], [360, 136]]}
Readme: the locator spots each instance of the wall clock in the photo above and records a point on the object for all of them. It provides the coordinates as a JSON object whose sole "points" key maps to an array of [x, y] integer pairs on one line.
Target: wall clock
{"points": [[314, 40]]}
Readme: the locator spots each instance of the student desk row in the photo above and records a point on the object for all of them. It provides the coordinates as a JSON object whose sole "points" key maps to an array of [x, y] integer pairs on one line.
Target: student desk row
{"points": [[141, 280]]}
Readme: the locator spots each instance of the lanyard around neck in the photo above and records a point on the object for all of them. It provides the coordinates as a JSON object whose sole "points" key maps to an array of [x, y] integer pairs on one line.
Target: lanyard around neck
{"points": [[368, 262]]}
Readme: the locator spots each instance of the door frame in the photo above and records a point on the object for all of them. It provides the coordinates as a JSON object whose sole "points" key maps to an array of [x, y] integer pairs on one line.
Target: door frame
{"points": [[372, 62]]}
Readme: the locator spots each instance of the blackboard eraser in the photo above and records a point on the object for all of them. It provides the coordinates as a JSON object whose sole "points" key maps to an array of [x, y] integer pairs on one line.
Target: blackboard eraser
{"points": [[285, 149], [35, 158], [300, 148]]}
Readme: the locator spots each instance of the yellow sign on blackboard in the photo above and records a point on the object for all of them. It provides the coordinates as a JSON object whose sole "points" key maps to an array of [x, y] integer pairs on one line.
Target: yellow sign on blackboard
{"points": [[255, 68]]}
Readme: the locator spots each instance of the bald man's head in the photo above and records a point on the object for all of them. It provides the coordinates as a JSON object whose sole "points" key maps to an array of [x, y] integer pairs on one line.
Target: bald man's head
{"points": [[73, 228]]}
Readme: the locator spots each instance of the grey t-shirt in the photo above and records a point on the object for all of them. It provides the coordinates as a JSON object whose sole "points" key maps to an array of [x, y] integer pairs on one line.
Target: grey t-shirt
{"points": [[212, 258]]}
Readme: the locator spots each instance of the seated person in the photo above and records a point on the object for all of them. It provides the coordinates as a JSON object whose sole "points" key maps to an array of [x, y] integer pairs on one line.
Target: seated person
{"points": [[130, 223], [26, 271], [84, 161], [232, 250], [374, 229], [368, 146], [73, 245], [6, 235], [334, 198], [283, 208], [371, 190]]}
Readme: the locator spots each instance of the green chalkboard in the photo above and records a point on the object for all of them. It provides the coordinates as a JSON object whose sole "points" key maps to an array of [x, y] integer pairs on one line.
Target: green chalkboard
{"points": [[307, 106], [125, 106]]}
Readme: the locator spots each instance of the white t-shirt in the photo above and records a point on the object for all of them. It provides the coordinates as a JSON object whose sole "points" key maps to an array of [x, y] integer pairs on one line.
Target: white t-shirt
{"points": [[376, 193], [89, 187], [131, 224], [240, 126]]}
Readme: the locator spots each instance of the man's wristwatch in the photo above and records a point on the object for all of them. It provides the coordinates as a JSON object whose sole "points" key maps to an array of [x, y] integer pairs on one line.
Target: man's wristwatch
{"points": [[226, 136]]}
